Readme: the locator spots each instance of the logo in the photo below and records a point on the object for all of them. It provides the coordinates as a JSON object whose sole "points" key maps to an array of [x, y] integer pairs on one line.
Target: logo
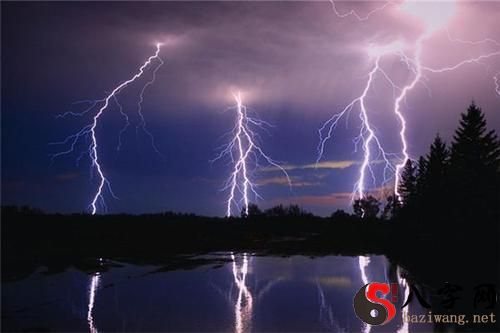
{"points": [[371, 308]]}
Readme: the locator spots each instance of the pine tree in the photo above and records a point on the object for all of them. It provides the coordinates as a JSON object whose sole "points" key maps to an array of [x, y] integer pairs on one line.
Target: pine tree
{"points": [[475, 148], [437, 162], [475, 167], [408, 185], [432, 177], [421, 173]]}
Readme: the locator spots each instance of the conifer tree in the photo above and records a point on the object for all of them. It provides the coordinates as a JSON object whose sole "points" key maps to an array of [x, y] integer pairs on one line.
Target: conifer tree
{"points": [[431, 179], [436, 165], [408, 184], [420, 179], [475, 166]]}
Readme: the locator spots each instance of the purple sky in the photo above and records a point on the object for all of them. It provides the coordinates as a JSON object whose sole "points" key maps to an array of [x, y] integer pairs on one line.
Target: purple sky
{"points": [[296, 63]]}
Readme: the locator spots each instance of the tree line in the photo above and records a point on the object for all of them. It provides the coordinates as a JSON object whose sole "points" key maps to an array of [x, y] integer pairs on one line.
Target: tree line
{"points": [[457, 182], [452, 184]]}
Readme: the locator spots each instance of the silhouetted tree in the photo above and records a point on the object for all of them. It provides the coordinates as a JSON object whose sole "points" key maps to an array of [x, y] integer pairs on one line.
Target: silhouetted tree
{"points": [[367, 207], [253, 211], [290, 211], [340, 215], [433, 179], [437, 162], [408, 184], [276, 211], [420, 180], [474, 146], [294, 210], [391, 208], [475, 167], [27, 210]]}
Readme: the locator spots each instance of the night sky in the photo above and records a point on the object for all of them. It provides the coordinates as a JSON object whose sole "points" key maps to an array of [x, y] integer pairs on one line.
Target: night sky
{"points": [[296, 63]]}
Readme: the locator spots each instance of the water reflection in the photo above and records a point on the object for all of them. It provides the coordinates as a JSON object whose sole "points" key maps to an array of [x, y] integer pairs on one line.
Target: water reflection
{"points": [[249, 293], [326, 316], [363, 265], [94, 285], [403, 285], [243, 308], [260, 293]]}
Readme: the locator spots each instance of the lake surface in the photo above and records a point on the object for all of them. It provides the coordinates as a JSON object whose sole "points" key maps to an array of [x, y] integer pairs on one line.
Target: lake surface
{"points": [[247, 293]]}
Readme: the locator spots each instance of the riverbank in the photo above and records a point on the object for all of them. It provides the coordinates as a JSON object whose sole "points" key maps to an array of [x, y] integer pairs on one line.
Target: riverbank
{"points": [[59, 241]]}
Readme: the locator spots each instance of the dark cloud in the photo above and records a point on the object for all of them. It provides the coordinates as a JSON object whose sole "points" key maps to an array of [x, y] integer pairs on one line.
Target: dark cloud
{"points": [[295, 62]]}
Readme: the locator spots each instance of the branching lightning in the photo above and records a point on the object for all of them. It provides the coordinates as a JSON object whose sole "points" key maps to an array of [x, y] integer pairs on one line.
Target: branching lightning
{"points": [[476, 60], [88, 132], [371, 145], [367, 135], [373, 150], [399, 114], [359, 17], [142, 124], [244, 152]]}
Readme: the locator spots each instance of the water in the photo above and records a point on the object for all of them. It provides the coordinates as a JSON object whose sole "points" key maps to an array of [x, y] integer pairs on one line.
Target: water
{"points": [[248, 293]]}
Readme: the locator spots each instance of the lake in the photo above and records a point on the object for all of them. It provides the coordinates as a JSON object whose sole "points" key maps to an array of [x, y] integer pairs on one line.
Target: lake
{"points": [[243, 293]]}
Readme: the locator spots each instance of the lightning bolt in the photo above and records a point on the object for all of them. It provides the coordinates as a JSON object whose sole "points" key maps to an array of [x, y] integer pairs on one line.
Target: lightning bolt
{"points": [[372, 148], [352, 12], [367, 135], [476, 60], [142, 124], [244, 151], [473, 60], [496, 79], [399, 114], [88, 132], [471, 42], [419, 68], [419, 74]]}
